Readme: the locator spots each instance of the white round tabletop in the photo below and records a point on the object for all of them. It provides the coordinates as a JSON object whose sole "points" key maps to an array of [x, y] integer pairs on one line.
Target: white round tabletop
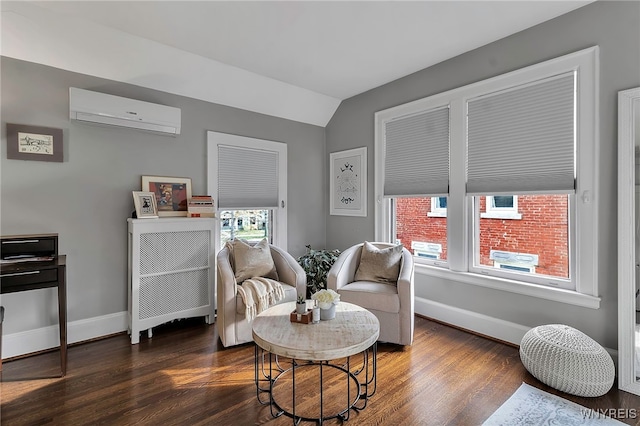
{"points": [[353, 330]]}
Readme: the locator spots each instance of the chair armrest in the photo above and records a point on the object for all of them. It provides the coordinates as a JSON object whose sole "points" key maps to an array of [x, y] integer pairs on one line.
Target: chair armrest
{"points": [[289, 270], [405, 278], [344, 269], [226, 298], [226, 277], [407, 300]]}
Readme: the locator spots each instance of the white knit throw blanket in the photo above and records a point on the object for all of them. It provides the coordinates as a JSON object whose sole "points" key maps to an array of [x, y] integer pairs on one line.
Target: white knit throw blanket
{"points": [[258, 294]]}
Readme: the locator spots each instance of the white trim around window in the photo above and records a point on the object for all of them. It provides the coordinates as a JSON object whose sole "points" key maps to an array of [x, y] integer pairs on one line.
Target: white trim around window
{"points": [[583, 244], [436, 208], [494, 212]]}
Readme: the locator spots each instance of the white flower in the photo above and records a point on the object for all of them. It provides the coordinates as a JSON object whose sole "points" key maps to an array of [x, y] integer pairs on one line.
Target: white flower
{"points": [[325, 298]]}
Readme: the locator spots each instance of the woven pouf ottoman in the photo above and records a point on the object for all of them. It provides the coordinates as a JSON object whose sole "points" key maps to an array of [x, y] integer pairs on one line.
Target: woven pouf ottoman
{"points": [[567, 359]]}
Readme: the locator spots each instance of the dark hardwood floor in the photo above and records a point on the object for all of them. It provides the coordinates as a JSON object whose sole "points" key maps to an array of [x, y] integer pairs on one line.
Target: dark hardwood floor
{"points": [[183, 376]]}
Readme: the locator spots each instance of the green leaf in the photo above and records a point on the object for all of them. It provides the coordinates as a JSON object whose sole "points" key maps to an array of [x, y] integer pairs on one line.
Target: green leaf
{"points": [[316, 264]]}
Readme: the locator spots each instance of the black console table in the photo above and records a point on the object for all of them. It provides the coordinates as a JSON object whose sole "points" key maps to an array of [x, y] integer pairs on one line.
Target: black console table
{"points": [[31, 262]]}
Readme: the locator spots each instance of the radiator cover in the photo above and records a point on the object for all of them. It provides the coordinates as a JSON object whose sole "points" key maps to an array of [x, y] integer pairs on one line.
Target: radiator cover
{"points": [[170, 272]]}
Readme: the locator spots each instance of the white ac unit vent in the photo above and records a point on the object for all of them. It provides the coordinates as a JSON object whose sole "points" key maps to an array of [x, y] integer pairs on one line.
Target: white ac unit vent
{"points": [[95, 107]]}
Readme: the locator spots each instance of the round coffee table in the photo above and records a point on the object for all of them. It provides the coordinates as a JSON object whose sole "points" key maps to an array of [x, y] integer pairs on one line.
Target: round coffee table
{"points": [[353, 331]]}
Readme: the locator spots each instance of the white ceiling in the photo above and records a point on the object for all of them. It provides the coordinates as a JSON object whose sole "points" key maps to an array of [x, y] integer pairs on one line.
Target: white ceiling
{"points": [[332, 49]]}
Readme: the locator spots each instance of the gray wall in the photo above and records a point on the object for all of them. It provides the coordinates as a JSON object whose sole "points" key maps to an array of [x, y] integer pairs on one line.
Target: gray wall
{"points": [[615, 27], [87, 198]]}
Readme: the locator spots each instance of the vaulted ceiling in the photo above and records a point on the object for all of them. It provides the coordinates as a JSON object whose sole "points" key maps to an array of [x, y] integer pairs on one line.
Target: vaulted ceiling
{"points": [[292, 59]]}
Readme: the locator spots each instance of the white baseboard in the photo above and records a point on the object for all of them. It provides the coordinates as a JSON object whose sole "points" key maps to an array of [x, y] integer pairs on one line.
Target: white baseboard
{"points": [[473, 321], [479, 323], [40, 339]]}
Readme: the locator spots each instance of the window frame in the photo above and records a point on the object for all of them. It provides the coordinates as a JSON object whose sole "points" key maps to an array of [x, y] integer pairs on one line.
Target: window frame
{"points": [[546, 280], [460, 213], [492, 212], [436, 210], [431, 250], [279, 219]]}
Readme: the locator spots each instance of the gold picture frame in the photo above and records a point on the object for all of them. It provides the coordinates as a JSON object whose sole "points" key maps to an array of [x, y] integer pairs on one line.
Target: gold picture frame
{"points": [[172, 194]]}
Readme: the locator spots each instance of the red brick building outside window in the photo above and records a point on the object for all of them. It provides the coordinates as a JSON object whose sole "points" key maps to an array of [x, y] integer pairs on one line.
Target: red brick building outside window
{"points": [[541, 230]]}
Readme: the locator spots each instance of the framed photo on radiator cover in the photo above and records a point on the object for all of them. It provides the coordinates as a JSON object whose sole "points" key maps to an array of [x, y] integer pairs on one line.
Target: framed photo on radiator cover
{"points": [[172, 193], [145, 203]]}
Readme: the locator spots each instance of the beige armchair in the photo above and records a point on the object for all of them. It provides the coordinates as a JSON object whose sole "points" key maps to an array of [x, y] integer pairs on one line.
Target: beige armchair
{"points": [[231, 323], [392, 303]]}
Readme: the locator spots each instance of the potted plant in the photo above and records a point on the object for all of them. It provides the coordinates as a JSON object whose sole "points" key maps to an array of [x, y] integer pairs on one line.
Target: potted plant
{"points": [[301, 305], [316, 264]]}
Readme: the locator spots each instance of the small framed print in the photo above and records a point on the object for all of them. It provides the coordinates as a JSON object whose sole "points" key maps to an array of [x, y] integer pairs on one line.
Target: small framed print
{"points": [[172, 193], [348, 185], [34, 143], [145, 203]]}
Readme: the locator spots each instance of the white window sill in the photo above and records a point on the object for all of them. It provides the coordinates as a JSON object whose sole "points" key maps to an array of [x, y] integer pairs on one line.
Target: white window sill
{"points": [[501, 215], [549, 293], [436, 214]]}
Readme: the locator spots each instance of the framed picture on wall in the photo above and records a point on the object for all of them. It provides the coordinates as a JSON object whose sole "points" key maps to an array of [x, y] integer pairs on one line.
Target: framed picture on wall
{"points": [[34, 143], [145, 203], [172, 193], [348, 185]]}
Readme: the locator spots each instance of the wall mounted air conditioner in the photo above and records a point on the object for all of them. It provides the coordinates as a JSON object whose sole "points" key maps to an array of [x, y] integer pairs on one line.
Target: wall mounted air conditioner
{"points": [[95, 107]]}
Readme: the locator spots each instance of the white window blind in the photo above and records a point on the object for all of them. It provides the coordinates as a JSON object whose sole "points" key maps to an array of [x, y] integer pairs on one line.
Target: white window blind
{"points": [[247, 178], [522, 140], [417, 154]]}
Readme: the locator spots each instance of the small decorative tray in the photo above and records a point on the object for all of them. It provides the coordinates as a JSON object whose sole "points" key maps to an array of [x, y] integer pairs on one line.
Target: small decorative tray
{"points": [[305, 318]]}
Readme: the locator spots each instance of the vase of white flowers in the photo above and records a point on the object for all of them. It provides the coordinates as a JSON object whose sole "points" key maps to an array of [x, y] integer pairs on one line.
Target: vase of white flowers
{"points": [[327, 301], [328, 314]]}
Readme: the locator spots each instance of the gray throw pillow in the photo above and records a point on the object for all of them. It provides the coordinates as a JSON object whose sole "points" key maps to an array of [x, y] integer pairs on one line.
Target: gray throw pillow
{"points": [[379, 265], [252, 261]]}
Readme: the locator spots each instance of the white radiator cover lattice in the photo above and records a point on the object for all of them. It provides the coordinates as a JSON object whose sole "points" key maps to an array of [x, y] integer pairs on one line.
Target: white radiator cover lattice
{"points": [[170, 271], [164, 294], [170, 251]]}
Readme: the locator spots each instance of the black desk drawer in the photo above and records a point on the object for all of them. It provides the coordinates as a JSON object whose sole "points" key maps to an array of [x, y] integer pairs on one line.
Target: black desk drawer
{"points": [[13, 279], [43, 246]]}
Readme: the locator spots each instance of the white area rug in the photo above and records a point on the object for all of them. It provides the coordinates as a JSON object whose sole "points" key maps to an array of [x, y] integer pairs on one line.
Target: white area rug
{"points": [[531, 406]]}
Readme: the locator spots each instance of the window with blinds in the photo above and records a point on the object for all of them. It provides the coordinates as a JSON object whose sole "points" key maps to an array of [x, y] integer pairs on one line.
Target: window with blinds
{"points": [[522, 140], [247, 178], [504, 165]]}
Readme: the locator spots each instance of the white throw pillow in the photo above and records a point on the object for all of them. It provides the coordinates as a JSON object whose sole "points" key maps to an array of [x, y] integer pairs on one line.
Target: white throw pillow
{"points": [[379, 265], [252, 261]]}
